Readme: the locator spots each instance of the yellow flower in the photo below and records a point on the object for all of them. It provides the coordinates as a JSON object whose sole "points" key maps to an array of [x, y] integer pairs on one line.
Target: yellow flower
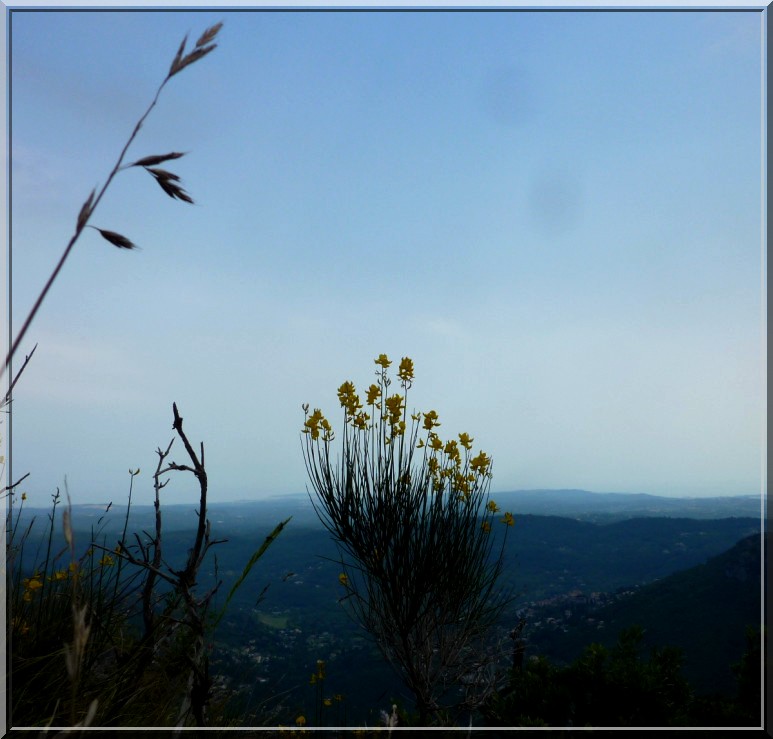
{"points": [[360, 421], [327, 702], [486, 526], [405, 373], [106, 561], [394, 405], [435, 443], [300, 721], [349, 398], [374, 393], [24, 496], [508, 519], [466, 441], [420, 444], [312, 423], [462, 485], [430, 420], [480, 463], [492, 506], [32, 583], [452, 450], [343, 578], [73, 566], [59, 575], [383, 360]]}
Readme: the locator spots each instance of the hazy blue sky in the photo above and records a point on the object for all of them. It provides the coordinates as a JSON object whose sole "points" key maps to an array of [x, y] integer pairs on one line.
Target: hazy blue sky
{"points": [[557, 215]]}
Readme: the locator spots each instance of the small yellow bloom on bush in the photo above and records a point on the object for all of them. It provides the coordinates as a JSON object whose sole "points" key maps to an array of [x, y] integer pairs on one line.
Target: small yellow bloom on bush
{"points": [[383, 360], [24, 496], [508, 519], [486, 526], [73, 566], [349, 399], [492, 506], [430, 420], [466, 441], [360, 421], [452, 450], [435, 443], [462, 485], [480, 463], [312, 423], [405, 373], [374, 393], [300, 721], [394, 404], [59, 575], [343, 578], [32, 583], [327, 702], [106, 561]]}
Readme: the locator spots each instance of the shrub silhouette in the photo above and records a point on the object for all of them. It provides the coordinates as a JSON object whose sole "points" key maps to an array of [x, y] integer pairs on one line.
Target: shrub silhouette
{"points": [[412, 518]]}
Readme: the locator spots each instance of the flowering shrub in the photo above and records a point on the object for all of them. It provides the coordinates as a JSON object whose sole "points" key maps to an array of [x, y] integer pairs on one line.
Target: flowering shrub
{"points": [[411, 515]]}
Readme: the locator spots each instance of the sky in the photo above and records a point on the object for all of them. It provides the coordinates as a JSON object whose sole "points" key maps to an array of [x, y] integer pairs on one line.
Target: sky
{"points": [[556, 215]]}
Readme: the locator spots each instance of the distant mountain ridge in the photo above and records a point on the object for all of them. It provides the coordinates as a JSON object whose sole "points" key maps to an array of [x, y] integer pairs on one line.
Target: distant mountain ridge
{"points": [[572, 503], [614, 506]]}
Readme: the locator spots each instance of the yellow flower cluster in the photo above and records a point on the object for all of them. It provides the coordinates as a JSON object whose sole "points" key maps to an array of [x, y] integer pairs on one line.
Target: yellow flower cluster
{"points": [[457, 467], [430, 420], [349, 399], [451, 463], [405, 373], [374, 393], [480, 464], [316, 421], [31, 584]]}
